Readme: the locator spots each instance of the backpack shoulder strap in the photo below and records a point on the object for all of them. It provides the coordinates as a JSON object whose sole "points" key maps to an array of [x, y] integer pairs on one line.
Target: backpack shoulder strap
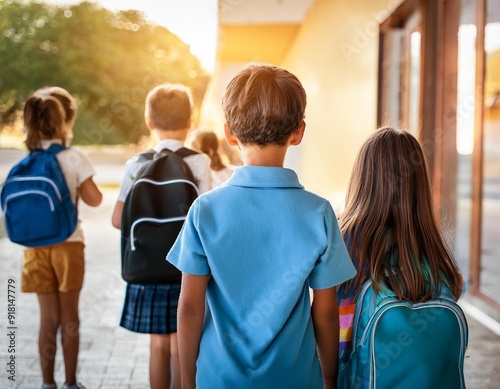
{"points": [[53, 149], [185, 152], [182, 152], [146, 155]]}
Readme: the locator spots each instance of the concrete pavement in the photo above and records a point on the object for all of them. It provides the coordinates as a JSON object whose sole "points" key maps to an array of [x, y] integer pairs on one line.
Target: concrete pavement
{"points": [[111, 357]]}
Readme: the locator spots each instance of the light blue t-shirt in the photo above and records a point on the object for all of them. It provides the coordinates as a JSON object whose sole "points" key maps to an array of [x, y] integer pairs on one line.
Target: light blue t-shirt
{"points": [[264, 240]]}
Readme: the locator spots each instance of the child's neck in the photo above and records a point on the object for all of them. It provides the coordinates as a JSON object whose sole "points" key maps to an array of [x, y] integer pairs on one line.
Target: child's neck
{"points": [[171, 134], [269, 155]]}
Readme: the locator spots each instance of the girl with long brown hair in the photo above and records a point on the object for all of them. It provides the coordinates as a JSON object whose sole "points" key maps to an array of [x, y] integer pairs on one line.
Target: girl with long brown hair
{"points": [[207, 142], [391, 229]]}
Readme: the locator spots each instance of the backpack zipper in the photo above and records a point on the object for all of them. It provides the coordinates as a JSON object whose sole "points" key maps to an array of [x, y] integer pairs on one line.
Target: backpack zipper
{"points": [[361, 297], [152, 220], [381, 309], [37, 178], [178, 181], [444, 304], [27, 192], [156, 220], [357, 314]]}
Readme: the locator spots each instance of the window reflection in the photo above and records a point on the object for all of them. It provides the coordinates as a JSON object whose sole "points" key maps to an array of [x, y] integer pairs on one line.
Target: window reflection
{"points": [[490, 248], [414, 102], [466, 89]]}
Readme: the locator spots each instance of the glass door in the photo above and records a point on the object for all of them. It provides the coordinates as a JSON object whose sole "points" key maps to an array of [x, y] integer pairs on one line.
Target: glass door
{"points": [[466, 90], [399, 89], [490, 225], [439, 78], [412, 74]]}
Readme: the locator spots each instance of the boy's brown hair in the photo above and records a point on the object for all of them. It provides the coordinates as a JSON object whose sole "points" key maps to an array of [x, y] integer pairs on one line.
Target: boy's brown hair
{"points": [[169, 107], [264, 104]]}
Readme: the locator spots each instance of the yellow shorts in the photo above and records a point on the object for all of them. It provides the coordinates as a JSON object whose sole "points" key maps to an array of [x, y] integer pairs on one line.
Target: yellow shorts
{"points": [[54, 268]]}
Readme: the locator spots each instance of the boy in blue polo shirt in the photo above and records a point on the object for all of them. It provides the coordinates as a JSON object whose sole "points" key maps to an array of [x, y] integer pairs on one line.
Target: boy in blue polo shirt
{"points": [[251, 249]]}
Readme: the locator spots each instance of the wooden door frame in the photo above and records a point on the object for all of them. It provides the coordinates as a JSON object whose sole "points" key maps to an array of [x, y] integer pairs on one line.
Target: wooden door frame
{"points": [[478, 161], [440, 21], [438, 91]]}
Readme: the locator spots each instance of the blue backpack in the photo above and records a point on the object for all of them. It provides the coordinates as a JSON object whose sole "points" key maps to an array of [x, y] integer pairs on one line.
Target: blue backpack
{"points": [[36, 202], [400, 345]]}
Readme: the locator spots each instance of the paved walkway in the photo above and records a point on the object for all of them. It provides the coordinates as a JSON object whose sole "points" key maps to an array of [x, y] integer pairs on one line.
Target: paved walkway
{"points": [[111, 357]]}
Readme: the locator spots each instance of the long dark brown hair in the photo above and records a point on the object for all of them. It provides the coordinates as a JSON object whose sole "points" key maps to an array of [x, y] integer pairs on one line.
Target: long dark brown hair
{"points": [[389, 223]]}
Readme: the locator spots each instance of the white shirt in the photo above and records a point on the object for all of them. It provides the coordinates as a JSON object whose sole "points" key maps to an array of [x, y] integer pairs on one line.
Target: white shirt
{"points": [[76, 168], [221, 176], [199, 164]]}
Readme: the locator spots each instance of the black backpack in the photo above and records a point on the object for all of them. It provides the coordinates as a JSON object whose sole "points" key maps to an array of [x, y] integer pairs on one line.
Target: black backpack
{"points": [[153, 215]]}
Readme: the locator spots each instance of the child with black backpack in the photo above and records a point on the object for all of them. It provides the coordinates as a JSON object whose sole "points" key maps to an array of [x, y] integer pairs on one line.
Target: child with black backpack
{"points": [[53, 264], [400, 324], [154, 198]]}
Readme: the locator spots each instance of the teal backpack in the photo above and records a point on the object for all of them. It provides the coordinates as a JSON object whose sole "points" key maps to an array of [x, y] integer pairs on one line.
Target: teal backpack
{"points": [[403, 345]]}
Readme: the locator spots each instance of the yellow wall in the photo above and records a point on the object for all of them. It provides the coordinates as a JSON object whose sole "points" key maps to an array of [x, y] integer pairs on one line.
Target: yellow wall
{"points": [[335, 55], [267, 42]]}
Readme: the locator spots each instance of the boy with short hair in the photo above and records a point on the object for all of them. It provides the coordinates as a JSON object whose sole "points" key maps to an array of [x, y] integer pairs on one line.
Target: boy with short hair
{"points": [[252, 248], [152, 308]]}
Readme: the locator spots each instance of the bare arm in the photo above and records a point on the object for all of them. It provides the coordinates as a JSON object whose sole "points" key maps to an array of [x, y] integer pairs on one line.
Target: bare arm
{"points": [[90, 193], [325, 316], [190, 315], [116, 218]]}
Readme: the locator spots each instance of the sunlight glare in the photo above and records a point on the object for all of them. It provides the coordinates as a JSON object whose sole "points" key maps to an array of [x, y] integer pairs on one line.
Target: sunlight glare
{"points": [[194, 21]]}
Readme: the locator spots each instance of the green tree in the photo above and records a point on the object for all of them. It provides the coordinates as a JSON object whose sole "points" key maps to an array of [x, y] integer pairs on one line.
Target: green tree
{"points": [[107, 60]]}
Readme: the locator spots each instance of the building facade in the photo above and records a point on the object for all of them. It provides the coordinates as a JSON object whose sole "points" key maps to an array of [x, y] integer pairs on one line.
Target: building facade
{"points": [[430, 67]]}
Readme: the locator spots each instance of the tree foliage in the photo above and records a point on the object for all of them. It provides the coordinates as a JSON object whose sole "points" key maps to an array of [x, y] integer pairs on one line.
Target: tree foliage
{"points": [[107, 60]]}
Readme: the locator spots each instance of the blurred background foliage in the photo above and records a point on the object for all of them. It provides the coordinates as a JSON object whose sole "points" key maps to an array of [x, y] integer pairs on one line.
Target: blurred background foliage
{"points": [[107, 60]]}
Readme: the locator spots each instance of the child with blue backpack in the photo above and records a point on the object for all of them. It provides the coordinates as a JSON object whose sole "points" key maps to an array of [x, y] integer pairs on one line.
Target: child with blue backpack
{"points": [[55, 272], [409, 311]]}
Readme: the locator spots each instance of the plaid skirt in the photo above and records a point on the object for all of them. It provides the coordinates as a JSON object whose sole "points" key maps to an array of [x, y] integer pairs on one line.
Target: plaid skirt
{"points": [[151, 308]]}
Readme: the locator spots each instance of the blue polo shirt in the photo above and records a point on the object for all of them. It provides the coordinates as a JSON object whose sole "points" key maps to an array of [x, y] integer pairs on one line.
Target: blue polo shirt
{"points": [[264, 240]]}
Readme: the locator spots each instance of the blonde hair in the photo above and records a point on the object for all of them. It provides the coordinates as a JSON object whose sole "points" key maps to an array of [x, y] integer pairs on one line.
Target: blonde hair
{"points": [[264, 104], [169, 107], [47, 114], [389, 223]]}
